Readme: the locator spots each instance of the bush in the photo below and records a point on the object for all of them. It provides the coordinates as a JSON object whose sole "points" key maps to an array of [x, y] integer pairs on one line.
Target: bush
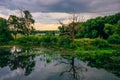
{"points": [[33, 40], [28, 40], [48, 40], [114, 39], [5, 38], [64, 41], [100, 43]]}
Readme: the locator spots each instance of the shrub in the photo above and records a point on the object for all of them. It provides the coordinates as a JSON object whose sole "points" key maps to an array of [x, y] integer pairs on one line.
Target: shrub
{"points": [[35, 40], [28, 40], [48, 40], [64, 41], [114, 39], [100, 43]]}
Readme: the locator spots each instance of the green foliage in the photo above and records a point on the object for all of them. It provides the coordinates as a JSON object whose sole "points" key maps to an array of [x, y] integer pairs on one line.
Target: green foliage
{"points": [[94, 28], [80, 30], [118, 28], [94, 33], [109, 29], [61, 30], [30, 40], [48, 40], [100, 43], [114, 39], [37, 41], [109, 60], [101, 27], [5, 35], [23, 25], [112, 19], [52, 33], [78, 35], [48, 60], [64, 41], [116, 52], [24, 61]]}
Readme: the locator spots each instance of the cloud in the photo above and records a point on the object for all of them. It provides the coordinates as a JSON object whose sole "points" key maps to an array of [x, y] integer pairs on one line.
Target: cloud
{"points": [[63, 5], [50, 11], [3, 16], [8, 75], [105, 6], [50, 17]]}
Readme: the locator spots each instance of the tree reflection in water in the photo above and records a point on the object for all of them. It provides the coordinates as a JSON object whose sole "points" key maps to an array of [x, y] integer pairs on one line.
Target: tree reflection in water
{"points": [[23, 60], [76, 69], [73, 70], [69, 67]]}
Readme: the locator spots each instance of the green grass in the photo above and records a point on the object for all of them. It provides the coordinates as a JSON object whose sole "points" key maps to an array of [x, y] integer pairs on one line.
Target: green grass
{"points": [[81, 45]]}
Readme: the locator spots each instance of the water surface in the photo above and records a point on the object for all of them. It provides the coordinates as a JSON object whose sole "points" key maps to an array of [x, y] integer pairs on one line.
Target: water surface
{"points": [[26, 65]]}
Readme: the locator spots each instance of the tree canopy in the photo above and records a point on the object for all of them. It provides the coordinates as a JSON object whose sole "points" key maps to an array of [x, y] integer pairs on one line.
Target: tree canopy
{"points": [[23, 24], [4, 31], [101, 27]]}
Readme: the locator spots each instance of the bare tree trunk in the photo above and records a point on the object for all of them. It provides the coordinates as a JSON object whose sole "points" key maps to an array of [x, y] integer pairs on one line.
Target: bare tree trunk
{"points": [[74, 18], [72, 25]]}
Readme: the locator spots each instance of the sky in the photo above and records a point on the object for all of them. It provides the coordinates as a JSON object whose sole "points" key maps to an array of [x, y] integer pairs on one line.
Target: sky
{"points": [[47, 13]]}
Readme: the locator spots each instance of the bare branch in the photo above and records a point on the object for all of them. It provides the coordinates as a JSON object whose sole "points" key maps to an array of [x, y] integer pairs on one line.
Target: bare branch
{"points": [[62, 24], [21, 12]]}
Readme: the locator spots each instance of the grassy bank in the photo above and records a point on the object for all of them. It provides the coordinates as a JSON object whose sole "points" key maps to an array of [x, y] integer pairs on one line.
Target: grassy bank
{"points": [[83, 44]]}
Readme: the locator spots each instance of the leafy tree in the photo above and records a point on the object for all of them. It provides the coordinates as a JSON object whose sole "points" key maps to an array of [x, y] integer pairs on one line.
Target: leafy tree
{"points": [[109, 29], [112, 19], [28, 22], [118, 28], [114, 39], [101, 27], [4, 31], [80, 30], [64, 41], [14, 24], [23, 24], [94, 33], [94, 28]]}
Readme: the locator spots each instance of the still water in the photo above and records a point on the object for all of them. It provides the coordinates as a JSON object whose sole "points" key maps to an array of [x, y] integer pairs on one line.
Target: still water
{"points": [[40, 64]]}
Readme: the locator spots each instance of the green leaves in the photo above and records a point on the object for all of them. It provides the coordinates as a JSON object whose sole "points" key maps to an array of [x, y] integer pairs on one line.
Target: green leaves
{"points": [[109, 29], [114, 39], [118, 28], [22, 25], [4, 31]]}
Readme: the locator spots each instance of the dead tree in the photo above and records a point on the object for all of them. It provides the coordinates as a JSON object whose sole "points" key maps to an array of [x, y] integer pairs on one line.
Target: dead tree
{"points": [[72, 26]]}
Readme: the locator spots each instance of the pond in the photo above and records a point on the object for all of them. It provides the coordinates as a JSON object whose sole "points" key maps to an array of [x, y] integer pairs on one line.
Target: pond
{"points": [[41, 64]]}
